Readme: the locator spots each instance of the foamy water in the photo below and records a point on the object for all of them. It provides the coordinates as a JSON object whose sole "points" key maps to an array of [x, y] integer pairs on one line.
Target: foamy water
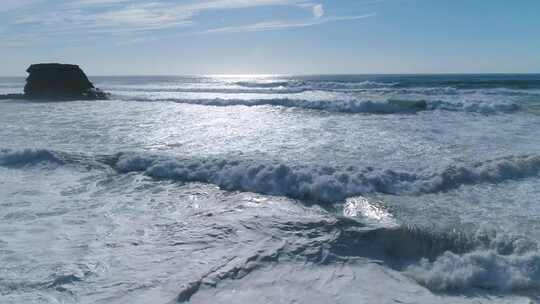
{"points": [[314, 189]]}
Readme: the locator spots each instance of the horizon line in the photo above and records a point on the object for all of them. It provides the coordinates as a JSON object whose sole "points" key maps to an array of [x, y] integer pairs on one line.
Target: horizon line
{"points": [[298, 75]]}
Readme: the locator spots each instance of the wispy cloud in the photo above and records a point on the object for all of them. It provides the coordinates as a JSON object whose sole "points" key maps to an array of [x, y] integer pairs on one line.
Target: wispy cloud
{"points": [[81, 3], [277, 25], [135, 17], [318, 11]]}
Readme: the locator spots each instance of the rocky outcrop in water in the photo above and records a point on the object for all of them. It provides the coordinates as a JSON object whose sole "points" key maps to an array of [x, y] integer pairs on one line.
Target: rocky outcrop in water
{"points": [[54, 81]]}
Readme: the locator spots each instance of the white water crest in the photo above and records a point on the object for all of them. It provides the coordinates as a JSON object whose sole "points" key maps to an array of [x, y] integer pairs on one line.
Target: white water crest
{"points": [[323, 184]]}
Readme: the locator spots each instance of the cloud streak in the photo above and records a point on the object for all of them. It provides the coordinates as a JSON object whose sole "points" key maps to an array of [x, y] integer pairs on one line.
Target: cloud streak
{"points": [[137, 19], [135, 15], [278, 25]]}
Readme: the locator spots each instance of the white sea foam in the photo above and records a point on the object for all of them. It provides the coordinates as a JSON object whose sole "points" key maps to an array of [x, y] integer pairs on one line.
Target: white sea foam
{"points": [[452, 260], [491, 171], [319, 183], [325, 184], [479, 269], [486, 259], [484, 107]]}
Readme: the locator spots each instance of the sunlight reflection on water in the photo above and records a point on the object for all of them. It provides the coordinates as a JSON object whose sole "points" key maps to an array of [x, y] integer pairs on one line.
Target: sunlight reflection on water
{"points": [[374, 212]]}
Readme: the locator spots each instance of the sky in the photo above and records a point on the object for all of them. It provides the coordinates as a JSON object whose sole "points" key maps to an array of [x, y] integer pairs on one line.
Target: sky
{"points": [[174, 37]]}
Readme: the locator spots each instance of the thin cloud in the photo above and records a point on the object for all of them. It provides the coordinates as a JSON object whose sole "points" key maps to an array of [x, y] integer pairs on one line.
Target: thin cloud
{"points": [[318, 11], [138, 15], [81, 3], [134, 20], [131, 18], [277, 25], [256, 27]]}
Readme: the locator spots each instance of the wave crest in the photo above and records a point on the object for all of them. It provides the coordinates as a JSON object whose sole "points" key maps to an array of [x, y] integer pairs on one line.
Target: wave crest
{"points": [[479, 269], [324, 184], [268, 84], [441, 261], [316, 85], [353, 105], [24, 157]]}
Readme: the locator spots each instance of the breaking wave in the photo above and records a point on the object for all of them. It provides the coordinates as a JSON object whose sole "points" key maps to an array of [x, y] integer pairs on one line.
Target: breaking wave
{"points": [[441, 261], [269, 84], [311, 183], [326, 184], [389, 106], [9, 158], [479, 269], [316, 85], [449, 261], [413, 82]]}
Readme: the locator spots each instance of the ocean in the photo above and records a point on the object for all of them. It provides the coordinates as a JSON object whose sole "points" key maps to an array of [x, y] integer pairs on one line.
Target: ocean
{"points": [[274, 189]]}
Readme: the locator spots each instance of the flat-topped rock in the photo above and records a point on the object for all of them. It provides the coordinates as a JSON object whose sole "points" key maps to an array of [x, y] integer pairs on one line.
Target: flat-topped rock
{"points": [[63, 81], [55, 81]]}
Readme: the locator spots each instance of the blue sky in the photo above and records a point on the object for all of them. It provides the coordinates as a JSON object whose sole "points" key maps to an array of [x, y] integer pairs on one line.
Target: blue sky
{"points": [[112, 37]]}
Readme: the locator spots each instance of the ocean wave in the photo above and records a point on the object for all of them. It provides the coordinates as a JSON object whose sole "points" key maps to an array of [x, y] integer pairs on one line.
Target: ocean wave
{"points": [[479, 269], [441, 261], [316, 85], [269, 84], [410, 244], [415, 84], [483, 107], [426, 93], [24, 157], [491, 171], [489, 82], [447, 260], [325, 184], [352, 105], [311, 183], [221, 90], [30, 156]]}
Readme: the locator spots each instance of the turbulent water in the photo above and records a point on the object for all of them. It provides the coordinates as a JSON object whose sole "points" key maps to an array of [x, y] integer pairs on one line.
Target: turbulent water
{"points": [[314, 189]]}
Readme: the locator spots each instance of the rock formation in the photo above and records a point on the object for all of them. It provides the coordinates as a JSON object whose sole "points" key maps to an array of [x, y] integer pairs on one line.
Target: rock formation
{"points": [[53, 81]]}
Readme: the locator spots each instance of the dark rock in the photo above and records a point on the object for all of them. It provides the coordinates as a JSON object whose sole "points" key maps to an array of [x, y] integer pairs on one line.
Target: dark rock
{"points": [[60, 82]]}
